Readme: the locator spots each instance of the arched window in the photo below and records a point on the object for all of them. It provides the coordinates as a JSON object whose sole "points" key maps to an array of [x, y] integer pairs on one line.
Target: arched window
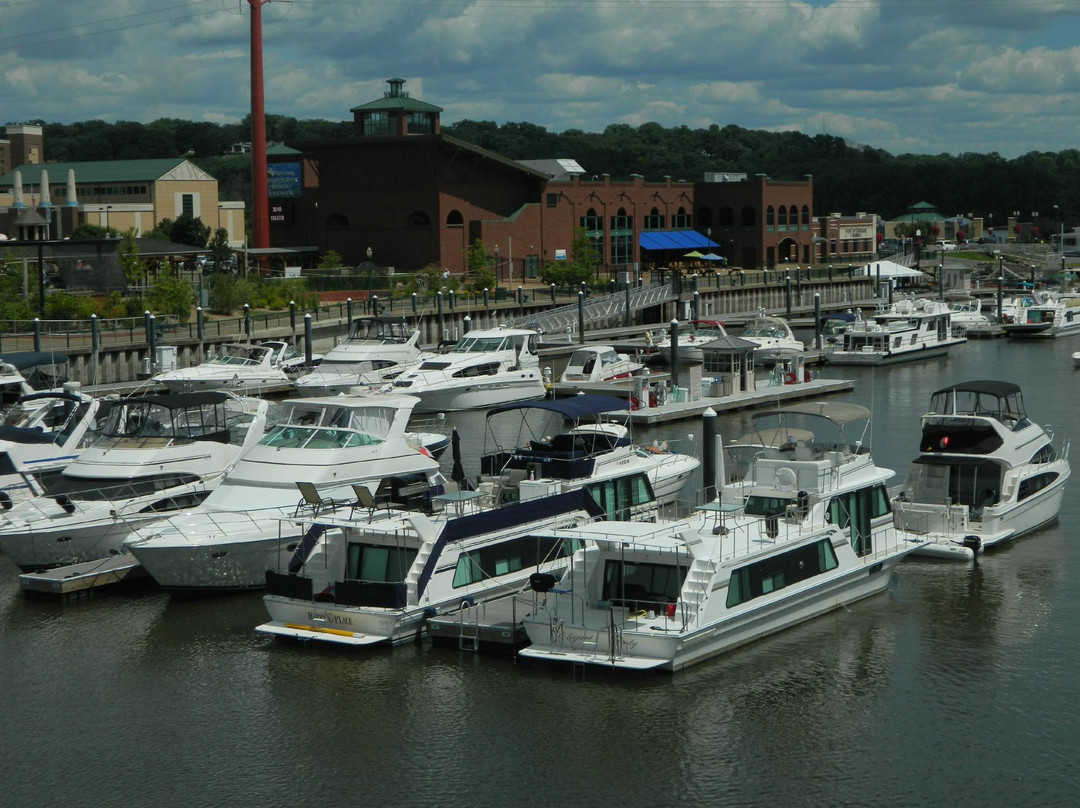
{"points": [[419, 218], [748, 218], [806, 215], [590, 222], [770, 216], [681, 220], [455, 219], [727, 216], [781, 216], [655, 220], [793, 216]]}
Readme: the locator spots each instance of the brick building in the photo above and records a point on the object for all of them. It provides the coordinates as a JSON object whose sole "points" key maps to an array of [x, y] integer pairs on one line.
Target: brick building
{"points": [[415, 196]]}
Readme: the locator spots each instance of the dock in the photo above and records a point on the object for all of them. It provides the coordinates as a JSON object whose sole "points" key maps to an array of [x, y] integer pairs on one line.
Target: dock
{"points": [[782, 393], [81, 580], [491, 626]]}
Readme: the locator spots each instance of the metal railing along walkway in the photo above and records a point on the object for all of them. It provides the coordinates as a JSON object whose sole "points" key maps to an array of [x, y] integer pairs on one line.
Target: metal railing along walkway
{"points": [[596, 309]]}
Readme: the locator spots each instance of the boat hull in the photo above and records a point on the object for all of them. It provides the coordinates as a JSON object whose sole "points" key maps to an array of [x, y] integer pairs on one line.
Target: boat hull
{"points": [[889, 357]]}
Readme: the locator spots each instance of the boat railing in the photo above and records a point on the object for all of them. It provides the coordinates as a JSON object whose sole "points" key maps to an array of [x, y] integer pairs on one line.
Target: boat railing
{"points": [[930, 518]]}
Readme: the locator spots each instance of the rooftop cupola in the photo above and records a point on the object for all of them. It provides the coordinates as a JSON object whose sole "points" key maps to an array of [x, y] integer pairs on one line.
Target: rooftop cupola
{"points": [[395, 114]]}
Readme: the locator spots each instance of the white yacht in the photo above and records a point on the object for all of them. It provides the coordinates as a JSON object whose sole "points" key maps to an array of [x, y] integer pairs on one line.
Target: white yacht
{"points": [[903, 332], [240, 531], [155, 455], [967, 313], [240, 368], [377, 349], [1054, 317], [26, 372], [377, 578], [592, 364], [596, 452], [985, 472], [40, 435], [809, 530], [698, 332], [484, 368], [772, 335]]}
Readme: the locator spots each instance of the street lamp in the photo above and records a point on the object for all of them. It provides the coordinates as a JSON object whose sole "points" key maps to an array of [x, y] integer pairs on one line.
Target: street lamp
{"points": [[496, 264]]}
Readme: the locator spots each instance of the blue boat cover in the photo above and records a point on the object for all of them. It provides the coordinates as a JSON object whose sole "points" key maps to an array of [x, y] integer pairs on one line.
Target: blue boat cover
{"points": [[572, 408], [674, 240]]}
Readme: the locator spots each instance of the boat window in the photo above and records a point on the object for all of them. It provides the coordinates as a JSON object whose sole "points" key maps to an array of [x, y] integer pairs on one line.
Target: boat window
{"points": [[377, 563], [177, 503], [506, 557], [620, 497], [1032, 485], [481, 344], [484, 369], [6, 466], [435, 365], [287, 436], [1046, 454], [854, 511], [97, 489], [776, 572], [641, 585], [758, 505]]}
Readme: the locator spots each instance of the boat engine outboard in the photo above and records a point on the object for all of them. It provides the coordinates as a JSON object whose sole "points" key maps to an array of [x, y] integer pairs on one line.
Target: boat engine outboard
{"points": [[973, 543]]}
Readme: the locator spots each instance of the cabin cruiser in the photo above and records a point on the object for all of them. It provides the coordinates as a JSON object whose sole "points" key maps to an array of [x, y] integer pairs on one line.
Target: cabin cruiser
{"points": [[40, 435], [985, 472], [378, 577], [596, 452], [376, 350], [807, 531], [484, 368], [241, 530], [592, 364], [1054, 317], [772, 335], [905, 331], [240, 368], [967, 313], [698, 332], [155, 455]]}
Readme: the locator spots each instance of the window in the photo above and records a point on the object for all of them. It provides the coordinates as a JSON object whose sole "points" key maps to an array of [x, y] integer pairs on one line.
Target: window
{"points": [[855, 510], [421, 123], [640, 585], [770, 216], [781, 216], [187, 204], [793, 217], [419, 219], [622, 238], [806, 217], [620, 221], [621, 497], [377, 123], [777, 572], [654, 221], [455, 219], [681, 220], [378, 563], [591, 223], [509, 556], [552, 200], [1032, 485]]}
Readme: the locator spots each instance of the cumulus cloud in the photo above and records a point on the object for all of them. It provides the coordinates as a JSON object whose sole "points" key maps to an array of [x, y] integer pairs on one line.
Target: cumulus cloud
{"points": [[962, 76]]}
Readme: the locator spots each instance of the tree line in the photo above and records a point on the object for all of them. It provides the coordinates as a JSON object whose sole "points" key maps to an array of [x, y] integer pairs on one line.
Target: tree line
{"points": [[848, 178]]}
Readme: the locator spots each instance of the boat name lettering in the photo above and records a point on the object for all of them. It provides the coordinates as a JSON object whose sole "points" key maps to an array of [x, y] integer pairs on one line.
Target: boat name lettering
{"points": [[327, 617]]}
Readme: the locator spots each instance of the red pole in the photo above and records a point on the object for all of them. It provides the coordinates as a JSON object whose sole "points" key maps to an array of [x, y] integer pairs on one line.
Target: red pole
{"points": [[260, 206]]}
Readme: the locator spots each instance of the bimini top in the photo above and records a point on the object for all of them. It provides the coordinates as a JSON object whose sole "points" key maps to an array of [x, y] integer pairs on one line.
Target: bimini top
{"points": [[179, 401], [839, 412], [574, 407], [993, 388], [22, 360]]}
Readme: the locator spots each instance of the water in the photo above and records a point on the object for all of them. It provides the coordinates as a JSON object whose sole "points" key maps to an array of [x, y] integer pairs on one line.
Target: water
{"points": [[956, 687]]}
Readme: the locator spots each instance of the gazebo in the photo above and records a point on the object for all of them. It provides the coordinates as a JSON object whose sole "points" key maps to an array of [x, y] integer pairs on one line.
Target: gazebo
{"points": [[730, 360]]}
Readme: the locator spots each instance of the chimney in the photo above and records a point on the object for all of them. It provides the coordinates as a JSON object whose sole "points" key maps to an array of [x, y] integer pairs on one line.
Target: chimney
{"points": [[71, 200], [45, 201], [17, 190]]}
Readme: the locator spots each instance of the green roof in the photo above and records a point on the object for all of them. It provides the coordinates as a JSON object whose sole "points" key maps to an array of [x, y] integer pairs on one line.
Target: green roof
{"points": [[396, 99], [278, 149], [100, 171]]}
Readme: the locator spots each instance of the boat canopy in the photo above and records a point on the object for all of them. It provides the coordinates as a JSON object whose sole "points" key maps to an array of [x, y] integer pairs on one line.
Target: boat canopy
{"points": [[23, 360], [573, 408], [839, 412]]}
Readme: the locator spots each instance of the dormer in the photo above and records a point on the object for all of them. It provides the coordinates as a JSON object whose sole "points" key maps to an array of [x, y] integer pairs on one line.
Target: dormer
{"points": [[395, 114]]}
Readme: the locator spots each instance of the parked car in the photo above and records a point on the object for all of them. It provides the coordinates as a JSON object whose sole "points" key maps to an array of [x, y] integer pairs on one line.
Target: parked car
{"points": [[945, 245]]}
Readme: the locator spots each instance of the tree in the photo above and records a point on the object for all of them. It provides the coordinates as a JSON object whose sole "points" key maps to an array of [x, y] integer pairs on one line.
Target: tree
{"points": [[581, 267], [478, 258], [171, 295], [93, 232], [220, 251], [331, 259], [130, 261], [188, 229]]}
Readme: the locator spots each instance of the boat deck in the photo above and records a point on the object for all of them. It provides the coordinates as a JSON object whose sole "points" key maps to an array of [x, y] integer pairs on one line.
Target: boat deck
{"points": [[492, 626]]}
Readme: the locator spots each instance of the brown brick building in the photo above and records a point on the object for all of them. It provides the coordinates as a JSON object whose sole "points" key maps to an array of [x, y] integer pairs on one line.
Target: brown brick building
{"points": [[415, 196]]}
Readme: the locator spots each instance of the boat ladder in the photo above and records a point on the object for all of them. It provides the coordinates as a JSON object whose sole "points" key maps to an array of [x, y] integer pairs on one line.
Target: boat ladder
{"points": [[469, 626]]}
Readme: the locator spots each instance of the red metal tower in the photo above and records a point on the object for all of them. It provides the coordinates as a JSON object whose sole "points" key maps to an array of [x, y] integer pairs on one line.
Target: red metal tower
{"points": [[260, 206]]}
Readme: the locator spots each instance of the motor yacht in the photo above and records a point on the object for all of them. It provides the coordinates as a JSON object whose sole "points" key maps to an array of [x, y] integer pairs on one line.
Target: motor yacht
{"points": [[967, 313], [40, 435], [807, 531], [596, 451], [484, 368], [376, 350], [903, 332], [772, 335], [26, 372], [697, 333], [240, 368], [1046, 318], [241, 530], [985, 474], [155, 455], [592, 364], [377, 578]]}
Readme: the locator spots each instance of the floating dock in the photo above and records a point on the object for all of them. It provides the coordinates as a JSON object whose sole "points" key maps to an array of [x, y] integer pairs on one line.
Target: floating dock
{"points": [[81, 580], [492, 626]]}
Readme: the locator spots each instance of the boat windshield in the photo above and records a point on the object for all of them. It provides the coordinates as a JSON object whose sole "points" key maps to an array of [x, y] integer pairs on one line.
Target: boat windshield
{"points": [[141, 419], [481, 344], [1007, 409], [234, 355], [768, 330], [100, 489], [288, 436], [373, 422]]}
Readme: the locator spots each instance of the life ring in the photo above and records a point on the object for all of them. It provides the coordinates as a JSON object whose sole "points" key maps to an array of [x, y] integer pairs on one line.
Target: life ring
{"points": [[789, 378], [635, 403]]}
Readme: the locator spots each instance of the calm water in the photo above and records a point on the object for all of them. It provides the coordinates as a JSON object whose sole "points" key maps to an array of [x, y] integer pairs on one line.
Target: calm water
{"points": [[957, 687]]}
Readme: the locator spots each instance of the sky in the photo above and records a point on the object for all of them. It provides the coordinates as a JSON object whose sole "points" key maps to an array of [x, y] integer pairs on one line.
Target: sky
{"points": [[906, 76]]}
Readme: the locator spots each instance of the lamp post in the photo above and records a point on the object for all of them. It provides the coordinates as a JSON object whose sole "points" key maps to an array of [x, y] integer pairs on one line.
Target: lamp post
{"points": [[496, 264], [369, 268]]}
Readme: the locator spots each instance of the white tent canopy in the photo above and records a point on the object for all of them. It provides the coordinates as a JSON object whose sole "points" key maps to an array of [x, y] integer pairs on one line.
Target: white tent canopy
{"points": [[889, 269]]}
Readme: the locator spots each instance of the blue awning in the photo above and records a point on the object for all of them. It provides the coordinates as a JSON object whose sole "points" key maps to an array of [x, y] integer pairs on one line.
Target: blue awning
{"points": [[674, 240]]}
